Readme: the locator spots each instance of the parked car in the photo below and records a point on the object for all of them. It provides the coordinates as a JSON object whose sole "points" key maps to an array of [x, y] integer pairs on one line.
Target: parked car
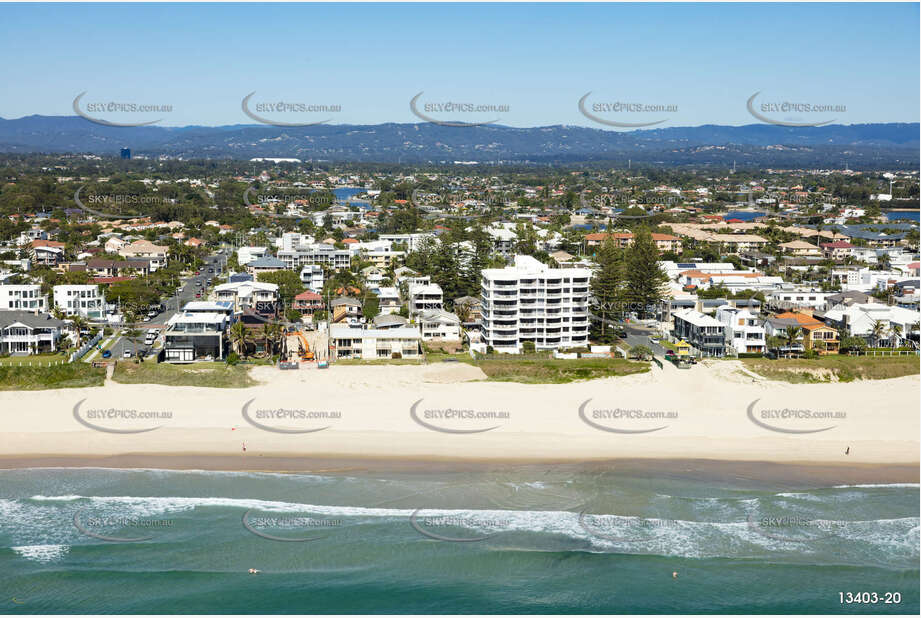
{"points": [[107, 353], [654, 340], [127, 353]]}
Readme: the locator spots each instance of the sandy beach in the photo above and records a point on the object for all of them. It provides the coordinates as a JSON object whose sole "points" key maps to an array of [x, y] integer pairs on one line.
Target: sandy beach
{"points": [[445, 413]]}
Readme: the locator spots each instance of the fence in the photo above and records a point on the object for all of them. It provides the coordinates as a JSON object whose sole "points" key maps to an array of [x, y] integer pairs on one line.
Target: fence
{"points": [[883, 352], [85, 348]]}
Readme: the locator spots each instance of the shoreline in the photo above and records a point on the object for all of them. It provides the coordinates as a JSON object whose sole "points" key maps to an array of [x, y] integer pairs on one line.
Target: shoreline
{"points": [[723, 470]]}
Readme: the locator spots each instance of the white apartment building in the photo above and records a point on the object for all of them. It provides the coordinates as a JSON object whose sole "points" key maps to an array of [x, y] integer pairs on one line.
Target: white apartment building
{"points": [[532, 302], [85, 300], [797, 299], [312, 276], [425, 296], [245, 255], [256, 295], [22, 297], [388, 300], [744, 331], [412, 242], [324, 255]]}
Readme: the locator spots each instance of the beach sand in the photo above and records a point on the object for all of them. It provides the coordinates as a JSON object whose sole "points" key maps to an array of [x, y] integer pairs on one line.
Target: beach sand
{"points": [[713, 412]]}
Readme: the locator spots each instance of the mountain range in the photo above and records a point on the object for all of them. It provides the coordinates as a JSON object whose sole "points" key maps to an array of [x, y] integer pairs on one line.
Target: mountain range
{"points": [[861, 146]]}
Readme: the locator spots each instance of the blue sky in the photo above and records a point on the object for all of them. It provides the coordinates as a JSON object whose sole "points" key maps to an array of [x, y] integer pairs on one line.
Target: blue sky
{"points": [[537, 59]]}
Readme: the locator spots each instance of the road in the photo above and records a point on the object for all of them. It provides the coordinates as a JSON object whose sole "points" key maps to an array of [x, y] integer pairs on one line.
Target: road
{"points": [[172, 304]]}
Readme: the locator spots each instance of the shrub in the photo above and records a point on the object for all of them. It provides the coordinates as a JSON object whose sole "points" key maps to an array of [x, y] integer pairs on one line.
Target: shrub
{"points": [[232, 359]]}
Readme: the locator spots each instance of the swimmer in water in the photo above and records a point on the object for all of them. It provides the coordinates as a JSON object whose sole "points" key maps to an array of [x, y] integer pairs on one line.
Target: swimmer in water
{"points": [[254, 571], [674, 574]]}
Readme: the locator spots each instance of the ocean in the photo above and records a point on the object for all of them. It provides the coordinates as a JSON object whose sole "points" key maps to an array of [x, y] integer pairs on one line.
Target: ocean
{"points": [[563, 539], [901, 215]]}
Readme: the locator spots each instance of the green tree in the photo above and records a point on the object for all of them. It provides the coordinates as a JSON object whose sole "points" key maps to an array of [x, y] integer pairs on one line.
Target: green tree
{"points": [[606, 284], [644, 278]]}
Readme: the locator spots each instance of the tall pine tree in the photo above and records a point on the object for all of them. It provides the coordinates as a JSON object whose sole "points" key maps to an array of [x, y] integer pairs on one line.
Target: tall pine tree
{"points": [[607, 284], [645, 279]]}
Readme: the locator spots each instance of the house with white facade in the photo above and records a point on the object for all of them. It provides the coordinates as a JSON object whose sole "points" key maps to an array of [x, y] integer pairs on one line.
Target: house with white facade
{"points": [[744, 330], [84, 300], [424, 296], [374, 343], [22, 297], [23, 333], [439, 325]]}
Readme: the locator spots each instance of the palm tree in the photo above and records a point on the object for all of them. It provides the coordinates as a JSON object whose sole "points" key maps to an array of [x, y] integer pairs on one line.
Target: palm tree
{"points": [[791, 335], [240, 338], [879, 328], [271, 333], [895, 333], [79, 325], [462, 311]]}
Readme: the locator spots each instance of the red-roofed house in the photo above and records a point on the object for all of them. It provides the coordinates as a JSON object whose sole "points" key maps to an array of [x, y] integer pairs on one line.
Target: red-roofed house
{"points": [[307, 302], [837, 250]]}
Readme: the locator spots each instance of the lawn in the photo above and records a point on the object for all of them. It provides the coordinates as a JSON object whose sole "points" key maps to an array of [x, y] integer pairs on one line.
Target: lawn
{"points": [[71, 375], [34, 359], [834, 366], [557, 371], [213, 375]]}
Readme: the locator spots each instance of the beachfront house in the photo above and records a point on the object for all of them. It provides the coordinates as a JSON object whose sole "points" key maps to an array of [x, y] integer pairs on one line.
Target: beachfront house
{"points": [[705, 334], [744, 331], [195, 336], [23, 333], [439, 325], [374, 343]]}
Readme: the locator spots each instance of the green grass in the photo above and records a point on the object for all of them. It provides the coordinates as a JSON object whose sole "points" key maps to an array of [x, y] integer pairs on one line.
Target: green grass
{"points": [[844, 368], [553, 371], [72, 375], [210, 375], [35, 359]]}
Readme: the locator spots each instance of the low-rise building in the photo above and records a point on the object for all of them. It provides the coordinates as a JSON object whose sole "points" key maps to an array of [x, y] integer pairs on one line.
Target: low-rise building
{"points": [[439, 325], [425, 296], [22, 297], [744, 331], [191, 337], [83, 300], [24, 333], [705, 334], [375, 343]]}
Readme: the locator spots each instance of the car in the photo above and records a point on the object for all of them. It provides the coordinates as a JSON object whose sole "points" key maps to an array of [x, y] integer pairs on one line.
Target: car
{"points": [[147, 318], [670, 354], [198, 295], [197, 272], [127, 353], [210, 270], [107, 353], [654, 340]]}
